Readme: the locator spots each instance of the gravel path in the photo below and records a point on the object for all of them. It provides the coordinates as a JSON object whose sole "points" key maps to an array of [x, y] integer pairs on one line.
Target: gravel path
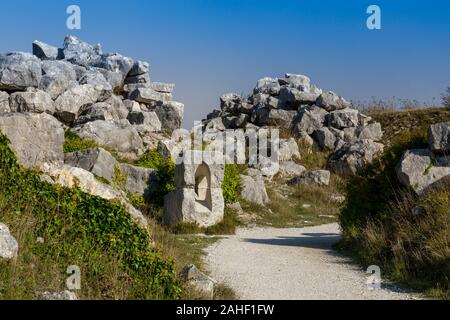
{"points": [[298, 263]]}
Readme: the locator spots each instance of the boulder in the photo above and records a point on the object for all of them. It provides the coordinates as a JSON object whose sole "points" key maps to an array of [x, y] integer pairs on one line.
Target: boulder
{"points": [[139, 180], [149, 120], [81, 53], [419, 169], [230, 102], [139, 68], [58, 76], [371, 131], [114, 79], [95, 78], [268, 86], [439, 138], [4, 102], [147, 96], [96, 160], [9, 247], [32, 100], [69, 103], [45, 52], [297, 81], [253, 190], [201, 283], [352, 157], [325, 138], [310, 119], [331, 102], [290, 168], [118, 106], [345, 118], [288, 150], [116, 63], [118, 136], [171, 114], [35, 138], [274, 117], [293, 98], [319, 177], [19, 71], [260, 100], [97, 111]]}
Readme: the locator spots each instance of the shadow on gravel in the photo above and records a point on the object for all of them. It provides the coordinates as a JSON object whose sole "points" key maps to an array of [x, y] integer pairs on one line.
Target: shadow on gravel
{"points": [[323, 241]]}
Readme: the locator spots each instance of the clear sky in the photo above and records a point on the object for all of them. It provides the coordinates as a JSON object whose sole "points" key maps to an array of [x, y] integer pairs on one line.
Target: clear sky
{"points": [[210, 47]]}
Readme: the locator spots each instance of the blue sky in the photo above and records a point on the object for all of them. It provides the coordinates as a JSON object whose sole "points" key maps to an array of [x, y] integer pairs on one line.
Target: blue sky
{"points": [[209, 47]]}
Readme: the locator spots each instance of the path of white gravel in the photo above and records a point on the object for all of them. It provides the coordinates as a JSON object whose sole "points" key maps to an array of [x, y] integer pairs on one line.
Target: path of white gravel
{"points": [[297, 263]]}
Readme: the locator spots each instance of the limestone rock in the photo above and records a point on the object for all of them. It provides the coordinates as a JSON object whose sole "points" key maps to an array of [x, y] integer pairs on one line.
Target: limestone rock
{"points": [[44, 51], [288, 150], [171, 115], [58, 76], [19, 71], [139, 180], [352, 157], [310, 119], [290, 168], [319, 177], [149, 120], [325, 138], [345, 118], [253, 190], [119, 136], [35, 138], [439, 138], [268, 86], [32, 100], [419, 170], [9, 247], [96, 160], [203, 284], [69, 103], [147, 96], [331, 102], [81, 53]]}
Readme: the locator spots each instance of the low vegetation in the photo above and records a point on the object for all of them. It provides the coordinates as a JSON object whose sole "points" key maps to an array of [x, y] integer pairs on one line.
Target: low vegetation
{"points": [[73, 142], [117, 258], [381, 224]]}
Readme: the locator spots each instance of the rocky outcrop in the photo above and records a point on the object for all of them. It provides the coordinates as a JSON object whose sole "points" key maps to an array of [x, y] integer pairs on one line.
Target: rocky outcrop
{"points": [[105, 97], [420, 169], [9, 247], [293, 103], [35, 138]]}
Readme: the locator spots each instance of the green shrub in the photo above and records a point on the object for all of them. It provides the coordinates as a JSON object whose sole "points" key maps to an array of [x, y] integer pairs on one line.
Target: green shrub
{"points": [[379, 226], [165, 175], [230, 184], [73, 143], [116, 256]]}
